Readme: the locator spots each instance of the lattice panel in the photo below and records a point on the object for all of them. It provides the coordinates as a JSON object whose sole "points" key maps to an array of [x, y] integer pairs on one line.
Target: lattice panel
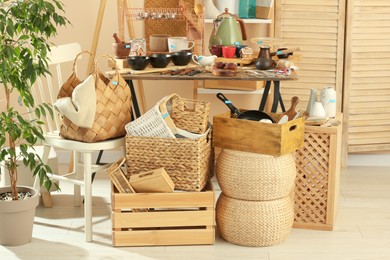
{"points": [[311, 185]]}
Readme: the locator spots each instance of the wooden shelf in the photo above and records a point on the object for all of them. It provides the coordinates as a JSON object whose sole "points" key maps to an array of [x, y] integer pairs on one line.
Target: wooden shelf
{"points": [[252, 21]]}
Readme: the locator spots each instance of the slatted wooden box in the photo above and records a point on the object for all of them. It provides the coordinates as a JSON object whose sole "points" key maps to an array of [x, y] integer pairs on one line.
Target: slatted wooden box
{"points": [[318, 178], [257, 137], [177, 218]]}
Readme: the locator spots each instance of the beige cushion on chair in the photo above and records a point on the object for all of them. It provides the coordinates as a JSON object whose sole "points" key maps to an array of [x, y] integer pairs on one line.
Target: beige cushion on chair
{"points": [[81, 107]]}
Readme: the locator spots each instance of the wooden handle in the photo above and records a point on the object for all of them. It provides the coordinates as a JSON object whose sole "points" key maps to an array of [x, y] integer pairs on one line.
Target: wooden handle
{"points": [[291, 112]]}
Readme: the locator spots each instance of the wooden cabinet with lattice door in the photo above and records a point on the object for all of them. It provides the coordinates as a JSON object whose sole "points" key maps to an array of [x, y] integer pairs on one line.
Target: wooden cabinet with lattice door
{"points": [[317, 183]]}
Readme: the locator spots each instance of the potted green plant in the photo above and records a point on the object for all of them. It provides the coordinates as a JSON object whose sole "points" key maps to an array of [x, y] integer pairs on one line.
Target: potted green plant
{"points": [[26, 27]]}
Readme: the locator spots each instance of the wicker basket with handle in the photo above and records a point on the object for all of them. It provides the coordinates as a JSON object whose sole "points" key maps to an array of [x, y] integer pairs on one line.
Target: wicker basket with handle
{"points": [[113, 106], [191, 115]]}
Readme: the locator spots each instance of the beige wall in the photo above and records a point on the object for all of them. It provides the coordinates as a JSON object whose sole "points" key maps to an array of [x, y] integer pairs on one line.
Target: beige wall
{"points": [[83, 16]]}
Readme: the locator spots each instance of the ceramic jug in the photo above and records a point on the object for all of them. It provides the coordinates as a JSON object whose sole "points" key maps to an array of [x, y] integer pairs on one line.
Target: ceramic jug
{"points": [[265, 52], [228, 30], [328, 100], [203, 60]]}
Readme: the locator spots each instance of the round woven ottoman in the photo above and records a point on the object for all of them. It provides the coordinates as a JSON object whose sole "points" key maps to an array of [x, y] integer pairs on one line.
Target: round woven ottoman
{"points": [[254, 223], [252, 176]]}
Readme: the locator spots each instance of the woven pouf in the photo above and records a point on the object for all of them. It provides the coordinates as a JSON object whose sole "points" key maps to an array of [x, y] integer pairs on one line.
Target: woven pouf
{"points": [[252, 176], [254, 223]]}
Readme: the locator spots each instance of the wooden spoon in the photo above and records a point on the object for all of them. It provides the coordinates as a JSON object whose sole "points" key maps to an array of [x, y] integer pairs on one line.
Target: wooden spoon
{"points": [[291, 111]]}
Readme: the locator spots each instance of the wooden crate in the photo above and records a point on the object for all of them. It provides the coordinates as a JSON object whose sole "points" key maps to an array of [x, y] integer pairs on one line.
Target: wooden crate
{"points": [[318, 178], [177, 218], [257, 137]]}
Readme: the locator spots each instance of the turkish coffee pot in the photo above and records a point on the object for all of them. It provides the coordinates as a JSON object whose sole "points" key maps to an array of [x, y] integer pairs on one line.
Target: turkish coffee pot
{"points": [[228, 30], [264, 61]]}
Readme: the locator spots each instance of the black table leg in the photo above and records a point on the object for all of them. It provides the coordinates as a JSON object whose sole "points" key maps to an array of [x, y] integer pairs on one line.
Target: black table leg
{"points": [[134, 99], [265, 95]]}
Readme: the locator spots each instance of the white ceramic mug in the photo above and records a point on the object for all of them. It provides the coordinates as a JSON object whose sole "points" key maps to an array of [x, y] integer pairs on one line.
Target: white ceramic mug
{"points": [[176, 44]]}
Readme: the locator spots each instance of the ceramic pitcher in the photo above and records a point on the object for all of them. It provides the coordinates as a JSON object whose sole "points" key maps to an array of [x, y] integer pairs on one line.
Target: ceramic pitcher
{"points": [[328, 100]]}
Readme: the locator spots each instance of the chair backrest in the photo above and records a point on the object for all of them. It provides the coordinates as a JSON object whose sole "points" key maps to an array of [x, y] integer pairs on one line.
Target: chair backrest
{"points": [[47, 88]]}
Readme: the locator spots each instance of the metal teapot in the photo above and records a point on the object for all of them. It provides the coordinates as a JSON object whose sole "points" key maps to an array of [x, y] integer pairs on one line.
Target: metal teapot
{"points": [[228, 30]]}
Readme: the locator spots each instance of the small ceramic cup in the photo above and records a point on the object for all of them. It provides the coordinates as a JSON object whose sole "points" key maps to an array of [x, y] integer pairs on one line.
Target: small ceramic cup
{"points": [[216, 50], [228, 51]]}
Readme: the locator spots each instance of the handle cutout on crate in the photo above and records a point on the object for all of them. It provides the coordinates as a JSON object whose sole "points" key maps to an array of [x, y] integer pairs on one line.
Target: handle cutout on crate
{"points": [[292, 128]]}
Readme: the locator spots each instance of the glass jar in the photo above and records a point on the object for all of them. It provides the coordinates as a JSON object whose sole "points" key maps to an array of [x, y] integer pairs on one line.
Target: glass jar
{"points": [[138, 47]]}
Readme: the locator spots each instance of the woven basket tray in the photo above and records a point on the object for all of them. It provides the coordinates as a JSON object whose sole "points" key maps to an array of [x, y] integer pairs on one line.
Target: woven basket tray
{"points": [[189, 162], [252, 176], [254, 223]]}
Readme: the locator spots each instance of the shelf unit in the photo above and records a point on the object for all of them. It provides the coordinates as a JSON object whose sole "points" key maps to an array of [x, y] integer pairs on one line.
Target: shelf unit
{"points": [[252, 21]]}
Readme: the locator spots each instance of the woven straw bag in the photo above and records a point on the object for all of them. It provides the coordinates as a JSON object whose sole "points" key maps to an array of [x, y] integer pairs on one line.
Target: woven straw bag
{"points": [[113, 106], [254, 223], [252, 176]]}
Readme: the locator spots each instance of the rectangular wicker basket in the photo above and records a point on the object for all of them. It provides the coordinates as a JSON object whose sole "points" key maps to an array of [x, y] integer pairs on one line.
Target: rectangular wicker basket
{"points": [[189, 162]]}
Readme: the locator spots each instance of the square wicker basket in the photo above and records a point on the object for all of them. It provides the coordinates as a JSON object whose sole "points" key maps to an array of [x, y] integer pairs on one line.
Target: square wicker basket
{"points": [[189, 162]]}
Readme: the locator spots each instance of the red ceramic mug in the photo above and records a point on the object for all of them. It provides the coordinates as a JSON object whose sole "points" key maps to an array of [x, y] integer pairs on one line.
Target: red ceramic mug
{"points": [[228, 51]]}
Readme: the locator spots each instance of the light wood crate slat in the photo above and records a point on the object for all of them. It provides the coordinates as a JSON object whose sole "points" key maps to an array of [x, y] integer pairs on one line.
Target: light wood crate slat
{"points": [[164, 237], [169, 200], [164, 219]]}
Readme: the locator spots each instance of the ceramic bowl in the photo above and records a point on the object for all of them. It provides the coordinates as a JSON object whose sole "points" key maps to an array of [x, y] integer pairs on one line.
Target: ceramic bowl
{"points": [[138, 62], [159, 60], [181, 58]]}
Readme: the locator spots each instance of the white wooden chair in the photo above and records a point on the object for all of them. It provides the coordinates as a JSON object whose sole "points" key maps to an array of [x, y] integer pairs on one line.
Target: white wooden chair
{"points": [[46, 90]]}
